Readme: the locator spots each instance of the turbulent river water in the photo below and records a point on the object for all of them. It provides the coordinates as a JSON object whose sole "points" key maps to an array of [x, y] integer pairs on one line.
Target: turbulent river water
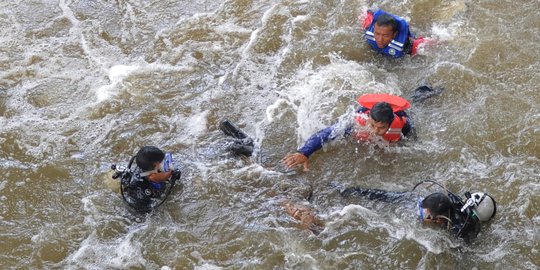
{"points": [[84, 84]]}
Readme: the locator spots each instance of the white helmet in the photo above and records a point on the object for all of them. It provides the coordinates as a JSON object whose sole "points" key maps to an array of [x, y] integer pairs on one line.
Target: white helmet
{"points": [[484, 206]]}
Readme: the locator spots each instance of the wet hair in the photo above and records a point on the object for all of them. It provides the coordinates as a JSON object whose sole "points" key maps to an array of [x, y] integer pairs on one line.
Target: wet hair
{"points": [[387, 20], [382, 112], [437, 203], [148, 156]]}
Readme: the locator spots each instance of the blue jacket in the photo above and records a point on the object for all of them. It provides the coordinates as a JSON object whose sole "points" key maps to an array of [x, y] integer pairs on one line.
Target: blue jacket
{"points": [[399, 46]]}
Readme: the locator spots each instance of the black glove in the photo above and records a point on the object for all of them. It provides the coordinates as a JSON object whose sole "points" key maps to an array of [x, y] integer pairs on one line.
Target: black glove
{"points": [[175, 176]]}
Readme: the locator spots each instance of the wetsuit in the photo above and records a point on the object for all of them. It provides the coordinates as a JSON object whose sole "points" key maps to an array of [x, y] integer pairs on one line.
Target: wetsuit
{"points": [[316, 141], [464, 225], [142, 192]]}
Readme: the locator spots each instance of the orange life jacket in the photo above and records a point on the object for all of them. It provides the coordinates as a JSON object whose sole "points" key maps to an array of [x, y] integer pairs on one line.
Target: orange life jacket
{"points": [[397, 103]]}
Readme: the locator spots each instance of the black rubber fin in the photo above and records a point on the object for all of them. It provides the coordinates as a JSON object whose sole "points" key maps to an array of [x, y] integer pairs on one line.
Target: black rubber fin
{"points": [[424, 92], [242, 144], [231, 130]]}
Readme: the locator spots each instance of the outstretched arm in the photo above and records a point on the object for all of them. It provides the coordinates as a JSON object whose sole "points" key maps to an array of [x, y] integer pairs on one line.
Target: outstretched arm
{"points": [[314, 143], [375, 194], [160, 176], [408, 130]]}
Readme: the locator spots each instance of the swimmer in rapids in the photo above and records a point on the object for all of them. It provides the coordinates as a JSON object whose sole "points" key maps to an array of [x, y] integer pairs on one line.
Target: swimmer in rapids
{"points": [[148, 185], [445, 210], [380, 116], [389, 34]]}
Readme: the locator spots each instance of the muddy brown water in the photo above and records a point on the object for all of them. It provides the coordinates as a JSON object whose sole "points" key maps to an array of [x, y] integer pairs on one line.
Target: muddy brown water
{"points": [[83, 84]]}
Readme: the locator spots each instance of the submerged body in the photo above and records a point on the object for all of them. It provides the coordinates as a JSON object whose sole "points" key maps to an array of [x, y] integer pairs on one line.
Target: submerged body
{"points": [[147, 185], [389, 35], [444, 210], [380, 116]]}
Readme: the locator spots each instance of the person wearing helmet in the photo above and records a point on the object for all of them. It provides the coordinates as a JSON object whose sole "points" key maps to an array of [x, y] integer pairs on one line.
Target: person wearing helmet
{"points": [[462, 219]]}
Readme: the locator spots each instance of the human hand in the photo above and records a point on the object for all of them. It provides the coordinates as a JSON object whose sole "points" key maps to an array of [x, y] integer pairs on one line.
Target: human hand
{"points": [[304, 214], [160, 176], [295, 159]]}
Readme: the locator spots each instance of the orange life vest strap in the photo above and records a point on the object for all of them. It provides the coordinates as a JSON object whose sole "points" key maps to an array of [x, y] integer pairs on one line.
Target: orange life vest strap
{"points": [[392, 135]]}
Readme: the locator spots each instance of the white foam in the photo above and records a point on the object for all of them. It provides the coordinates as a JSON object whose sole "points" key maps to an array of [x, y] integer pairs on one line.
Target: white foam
{"points": [[314, 93], [300, 18], [229, 27], [273, 111], [207, 266], [445, 32], [117, 73], [196, 125], [255, 34], [119, 254], [497, 254]]}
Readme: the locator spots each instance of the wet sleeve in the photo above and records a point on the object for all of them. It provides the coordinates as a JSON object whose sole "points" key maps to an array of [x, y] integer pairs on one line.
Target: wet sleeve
{"points": [[407, 129], [408, 48], [378, 194], [316, 141]]}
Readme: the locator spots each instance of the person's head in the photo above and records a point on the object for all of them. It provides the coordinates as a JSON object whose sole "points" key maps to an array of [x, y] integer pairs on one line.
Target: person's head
{"points": [[436, 204], [386, 29], [380, 118], [149, 157]]}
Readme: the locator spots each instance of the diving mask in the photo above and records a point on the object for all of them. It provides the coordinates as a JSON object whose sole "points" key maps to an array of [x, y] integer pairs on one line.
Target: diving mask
{"points": [[167, 163], [423, 213], [420, 210]]}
